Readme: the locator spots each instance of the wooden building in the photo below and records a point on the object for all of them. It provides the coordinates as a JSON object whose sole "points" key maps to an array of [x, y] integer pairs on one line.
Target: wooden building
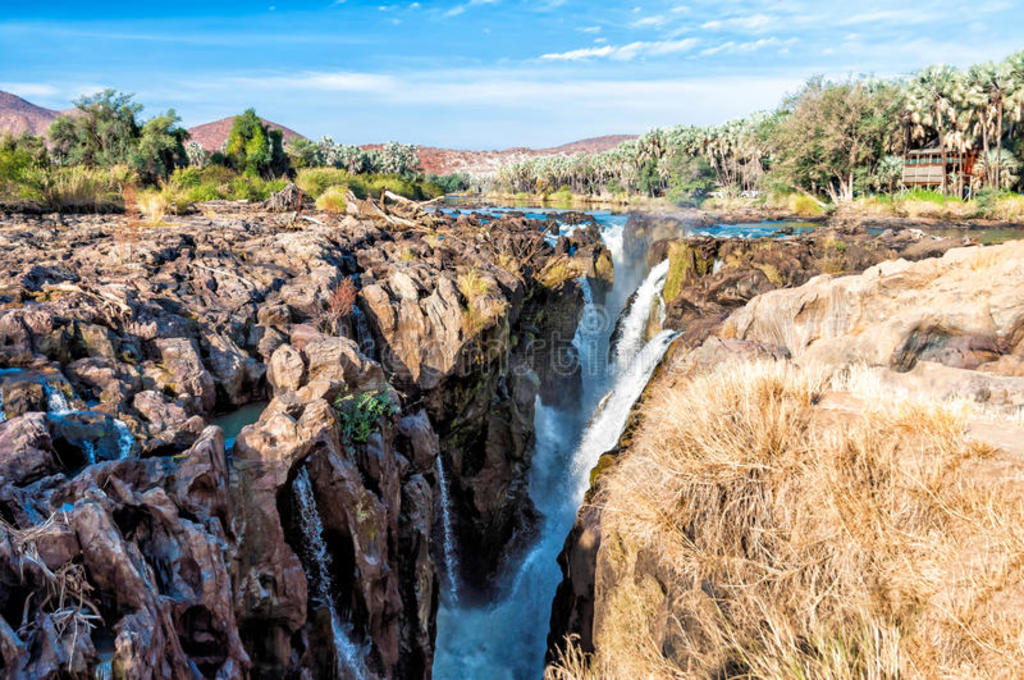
{"points": [[925, 168]]}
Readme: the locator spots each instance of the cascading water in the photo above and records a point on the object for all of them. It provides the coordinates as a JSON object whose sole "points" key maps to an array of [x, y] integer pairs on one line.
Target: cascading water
{"points": [[507, 640], [57, 404], [56, 401], [611, 417], [634, 325], [319, 562], [451, 556], [364, 338]]}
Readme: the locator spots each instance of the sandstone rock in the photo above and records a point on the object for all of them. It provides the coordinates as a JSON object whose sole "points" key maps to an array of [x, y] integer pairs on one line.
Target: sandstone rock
{"points": [[25, 449], [186, 375]]}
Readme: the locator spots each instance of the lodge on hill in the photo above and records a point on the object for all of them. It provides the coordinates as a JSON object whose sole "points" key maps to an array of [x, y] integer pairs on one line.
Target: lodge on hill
{"points": [[932, 168]]}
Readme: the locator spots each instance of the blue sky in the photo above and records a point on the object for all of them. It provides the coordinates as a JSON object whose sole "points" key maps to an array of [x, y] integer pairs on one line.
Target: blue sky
{"points": [[479, 73]]}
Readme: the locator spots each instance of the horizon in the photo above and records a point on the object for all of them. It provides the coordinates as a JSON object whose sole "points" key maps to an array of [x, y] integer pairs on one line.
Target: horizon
{"points": [[429, 73]]}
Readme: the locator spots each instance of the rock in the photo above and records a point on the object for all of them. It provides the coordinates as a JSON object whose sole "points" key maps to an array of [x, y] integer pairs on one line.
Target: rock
{"points": [[186, 376], [289, 198], [26, 452], [21, 396], [286, 369]]}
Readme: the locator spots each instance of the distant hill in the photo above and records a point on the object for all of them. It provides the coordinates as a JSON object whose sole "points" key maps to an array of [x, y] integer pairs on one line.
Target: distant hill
{"points": [[18, 116], [440, 161], [213, 135]]}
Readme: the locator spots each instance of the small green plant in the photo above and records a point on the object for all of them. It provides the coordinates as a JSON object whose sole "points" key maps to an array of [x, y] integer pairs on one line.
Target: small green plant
{"points": [[332, 200], [360, 414], [473, 284]]}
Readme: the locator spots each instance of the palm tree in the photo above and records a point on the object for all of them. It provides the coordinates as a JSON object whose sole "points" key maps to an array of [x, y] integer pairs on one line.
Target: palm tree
{"points": [[930, 95]]}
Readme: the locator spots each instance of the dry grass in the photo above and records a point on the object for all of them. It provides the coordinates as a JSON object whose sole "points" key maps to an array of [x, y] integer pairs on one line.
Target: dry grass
{"points": [[1009, 208], [757, 534], [154, 206], [332, 200], [473, 284]]}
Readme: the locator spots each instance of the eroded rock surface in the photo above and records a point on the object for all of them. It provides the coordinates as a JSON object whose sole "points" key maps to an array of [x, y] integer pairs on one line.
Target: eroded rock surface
{"points": [[938, 329], [382, 340]]}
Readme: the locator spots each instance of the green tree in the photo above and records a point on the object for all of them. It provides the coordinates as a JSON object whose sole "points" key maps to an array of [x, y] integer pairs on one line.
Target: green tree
{"points": [[101, 132], [160, 147], [254, 149], [833, 132]]}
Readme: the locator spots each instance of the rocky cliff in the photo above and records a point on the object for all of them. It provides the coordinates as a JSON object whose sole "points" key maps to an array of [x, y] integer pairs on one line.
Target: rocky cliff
{"points": [[132, 541], [794, 468]]}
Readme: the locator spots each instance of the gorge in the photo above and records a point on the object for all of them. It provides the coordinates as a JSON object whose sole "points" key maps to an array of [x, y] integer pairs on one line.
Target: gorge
{"points": [[280, 444]]}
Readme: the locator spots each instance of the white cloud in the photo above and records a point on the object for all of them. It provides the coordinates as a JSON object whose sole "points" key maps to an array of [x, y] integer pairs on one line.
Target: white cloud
{"points": [[460, 9], [29, 89], [625, 52], [647, 22], [754, 23], [589, 29], [333, 82], [901, 16], [732, 47]]}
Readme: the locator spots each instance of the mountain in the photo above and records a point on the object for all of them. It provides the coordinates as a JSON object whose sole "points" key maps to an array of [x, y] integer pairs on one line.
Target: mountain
{"points": [[440, 161], [18, 116], [213, 135]]}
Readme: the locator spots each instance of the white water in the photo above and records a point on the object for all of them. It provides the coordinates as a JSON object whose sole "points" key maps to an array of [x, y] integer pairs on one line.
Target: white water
{"points": [[507, 639], [611, 417], [634, 326], [451, 557], [56, 402], [347, 654]]}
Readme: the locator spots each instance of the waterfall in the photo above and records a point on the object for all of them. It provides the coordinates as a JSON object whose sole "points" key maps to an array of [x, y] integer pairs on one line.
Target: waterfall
{"points": [[346, 652], [56, 402], [90, 452], [3, 413], [613, 413], [105, 668], [507, 638], [451, 558], [635, 324], [125, 439]]}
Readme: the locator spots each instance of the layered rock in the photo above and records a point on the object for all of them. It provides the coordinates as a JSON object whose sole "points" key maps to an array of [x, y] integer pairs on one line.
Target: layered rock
{"points": [[709, 277], [926, 333], [383, 340]]}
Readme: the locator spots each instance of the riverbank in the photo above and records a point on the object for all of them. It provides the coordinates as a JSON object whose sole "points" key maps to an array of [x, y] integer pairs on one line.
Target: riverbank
{"points": [[772, 481]]}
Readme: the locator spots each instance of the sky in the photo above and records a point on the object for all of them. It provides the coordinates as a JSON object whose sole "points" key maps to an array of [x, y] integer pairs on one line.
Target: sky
{"points": [[480, 74]]}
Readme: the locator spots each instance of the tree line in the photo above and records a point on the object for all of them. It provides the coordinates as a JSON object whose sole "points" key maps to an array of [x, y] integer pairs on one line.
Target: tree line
{"points": [[831, 139]]}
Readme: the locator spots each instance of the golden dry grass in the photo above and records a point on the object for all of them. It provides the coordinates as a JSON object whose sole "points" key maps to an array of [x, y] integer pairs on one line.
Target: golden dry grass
{"points": [[332, 200], [154, 206], [756, 533]]}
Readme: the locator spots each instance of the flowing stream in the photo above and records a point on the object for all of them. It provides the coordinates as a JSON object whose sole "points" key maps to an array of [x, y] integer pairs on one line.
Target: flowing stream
{"points": [[507, 639], [451, 557], [347, 654], [631, 341]]}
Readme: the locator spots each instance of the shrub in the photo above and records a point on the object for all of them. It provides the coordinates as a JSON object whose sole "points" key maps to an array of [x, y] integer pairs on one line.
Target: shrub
{"points": [[332, 200], [74, 189], [315, 181], [473, 284], [359, 415], [804, 205], [377, 184]]}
